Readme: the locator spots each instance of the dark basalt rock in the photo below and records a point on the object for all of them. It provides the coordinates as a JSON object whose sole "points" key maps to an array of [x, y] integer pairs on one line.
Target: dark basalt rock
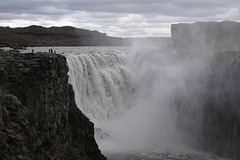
{"points": [[38, 115]]}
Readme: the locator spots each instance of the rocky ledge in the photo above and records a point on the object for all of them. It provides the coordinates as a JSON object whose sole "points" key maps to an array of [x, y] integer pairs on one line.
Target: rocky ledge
{"points": [[38, 115]]}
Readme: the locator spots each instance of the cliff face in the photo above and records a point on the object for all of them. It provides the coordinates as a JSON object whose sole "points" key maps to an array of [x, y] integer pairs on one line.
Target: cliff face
{"points": [[206, 36], [220, 132], [38, 115], [210, 115], [215, 125]]}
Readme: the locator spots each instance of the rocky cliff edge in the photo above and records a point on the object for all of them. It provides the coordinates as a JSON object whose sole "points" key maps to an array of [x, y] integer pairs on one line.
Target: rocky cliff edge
{"points": [[38, 115]]}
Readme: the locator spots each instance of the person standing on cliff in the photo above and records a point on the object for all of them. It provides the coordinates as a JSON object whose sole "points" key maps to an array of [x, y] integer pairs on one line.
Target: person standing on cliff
{"points": [[32, 50]]}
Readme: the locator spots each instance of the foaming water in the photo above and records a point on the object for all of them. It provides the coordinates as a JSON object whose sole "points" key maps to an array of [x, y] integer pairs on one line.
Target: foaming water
{"points": [[130, 96], [102, 84]]}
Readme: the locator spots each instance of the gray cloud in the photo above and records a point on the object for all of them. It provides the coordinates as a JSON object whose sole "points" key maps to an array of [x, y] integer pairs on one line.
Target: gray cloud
{"points": [[117, 17]]}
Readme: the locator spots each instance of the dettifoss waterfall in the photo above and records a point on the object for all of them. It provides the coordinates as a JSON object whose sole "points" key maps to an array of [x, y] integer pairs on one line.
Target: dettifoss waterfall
{"points": [[149, 103], [144, 103]]}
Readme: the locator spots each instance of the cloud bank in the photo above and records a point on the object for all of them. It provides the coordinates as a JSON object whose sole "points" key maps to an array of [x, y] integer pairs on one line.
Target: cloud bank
{"points": [[122, 18]]}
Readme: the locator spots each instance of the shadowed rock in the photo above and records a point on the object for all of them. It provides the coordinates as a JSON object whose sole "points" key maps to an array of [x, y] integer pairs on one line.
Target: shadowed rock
{"points": [[38, 115]]}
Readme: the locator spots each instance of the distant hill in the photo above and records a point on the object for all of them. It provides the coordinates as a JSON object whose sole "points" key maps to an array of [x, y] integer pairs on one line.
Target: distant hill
{"points": [[54, 36], [65, 36]]}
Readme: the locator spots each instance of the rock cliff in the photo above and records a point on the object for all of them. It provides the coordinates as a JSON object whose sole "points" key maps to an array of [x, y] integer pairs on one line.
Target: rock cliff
{"points": [[214, 123], [209, 114], [206, 36], [220, 132], [38, 115]]}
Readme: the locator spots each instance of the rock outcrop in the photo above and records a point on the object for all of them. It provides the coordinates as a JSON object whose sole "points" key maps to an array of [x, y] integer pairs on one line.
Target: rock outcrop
{"points": [[38, 116]]}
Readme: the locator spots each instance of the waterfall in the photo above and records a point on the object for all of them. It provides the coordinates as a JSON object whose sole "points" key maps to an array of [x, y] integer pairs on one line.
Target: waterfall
{"points": [[152, 99], [128, 96], [102, 84], [149, 100]]}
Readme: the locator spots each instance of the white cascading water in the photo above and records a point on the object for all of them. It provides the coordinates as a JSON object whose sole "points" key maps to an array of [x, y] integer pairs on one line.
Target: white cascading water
{"points": [[128, 96], [102, 84], [132, 97]]}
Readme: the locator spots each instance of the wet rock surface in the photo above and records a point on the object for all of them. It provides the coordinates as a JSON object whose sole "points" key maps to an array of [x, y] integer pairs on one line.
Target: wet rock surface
{"points": [[38, 115]]}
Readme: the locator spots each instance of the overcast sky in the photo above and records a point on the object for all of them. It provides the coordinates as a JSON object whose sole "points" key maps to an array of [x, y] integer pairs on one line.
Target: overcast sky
{"points": [[122, 18]]}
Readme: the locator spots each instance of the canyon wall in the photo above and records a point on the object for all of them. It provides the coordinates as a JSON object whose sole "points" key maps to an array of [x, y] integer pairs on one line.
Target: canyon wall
{"points": [[38, 115]]}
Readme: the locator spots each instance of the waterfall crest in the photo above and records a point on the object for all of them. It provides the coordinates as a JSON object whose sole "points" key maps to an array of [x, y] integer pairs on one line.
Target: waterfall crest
{"points": [[102, 83]]}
